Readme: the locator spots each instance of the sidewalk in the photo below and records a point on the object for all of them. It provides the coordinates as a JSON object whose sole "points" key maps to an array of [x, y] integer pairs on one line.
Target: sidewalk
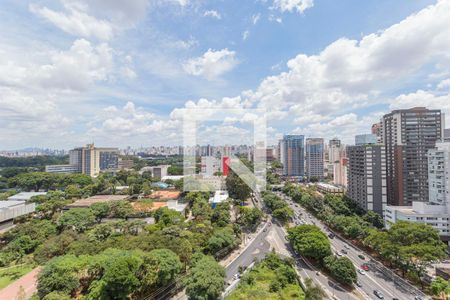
{"points": [[28, 282]]}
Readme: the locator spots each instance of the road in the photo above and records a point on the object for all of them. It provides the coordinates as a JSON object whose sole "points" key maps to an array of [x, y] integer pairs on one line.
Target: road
{"points": [[274, 237], [256, 249], [374, 279]]}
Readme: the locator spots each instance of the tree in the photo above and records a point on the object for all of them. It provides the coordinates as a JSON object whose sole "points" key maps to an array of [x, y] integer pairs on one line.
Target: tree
{"points": [[101, 210], [440, 287], [249, 217], [222, 238], [201, 210], [283, 214], [373, 218], [55, 246], [237, 188], [119, 275], [78, 219], [221, 214], [167, 264], [341, 268], [121, 209], [310, 241], [167, 216], [60, 274], [206, 281], [312, 291]]}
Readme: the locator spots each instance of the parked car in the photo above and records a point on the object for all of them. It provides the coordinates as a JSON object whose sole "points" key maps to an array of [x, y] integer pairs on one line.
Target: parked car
{"points": [[331, 235], [378, 294], [358, 284], [365, 267], [361, 256], [344, 251], [360, 271]]}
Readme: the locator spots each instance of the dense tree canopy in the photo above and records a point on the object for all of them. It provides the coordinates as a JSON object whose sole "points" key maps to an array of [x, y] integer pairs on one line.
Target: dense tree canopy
{"points": [[206, 281], [310, 241], [341, 268]]}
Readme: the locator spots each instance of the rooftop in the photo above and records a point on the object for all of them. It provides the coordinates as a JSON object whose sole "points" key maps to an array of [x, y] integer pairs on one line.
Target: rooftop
{"points": [[87, 202], [25, 196], [10, 203], [165, 195]]}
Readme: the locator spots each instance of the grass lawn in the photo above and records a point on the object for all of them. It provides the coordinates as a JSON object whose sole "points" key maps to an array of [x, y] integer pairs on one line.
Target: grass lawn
{"points": [[11, 274]]}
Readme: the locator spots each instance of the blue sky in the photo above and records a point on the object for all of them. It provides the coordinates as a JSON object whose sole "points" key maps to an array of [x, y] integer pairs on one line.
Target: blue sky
{"points": [[120, 73]]}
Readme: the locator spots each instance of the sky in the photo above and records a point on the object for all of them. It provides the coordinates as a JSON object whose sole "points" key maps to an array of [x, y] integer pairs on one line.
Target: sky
{"points": [[127, 73]]}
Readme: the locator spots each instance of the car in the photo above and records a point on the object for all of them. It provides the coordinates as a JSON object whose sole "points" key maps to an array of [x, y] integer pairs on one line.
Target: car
{"points": [[331, 235], [358, 284], [378, 294], [343, 251], [317, 273], [361, 272], [361, 256], [346, 247], [418, 298], [338, 254], [365, 267]]}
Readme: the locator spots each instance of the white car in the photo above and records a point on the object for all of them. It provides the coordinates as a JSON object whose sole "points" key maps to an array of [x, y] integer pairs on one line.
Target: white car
{"points": [[362, 272]]}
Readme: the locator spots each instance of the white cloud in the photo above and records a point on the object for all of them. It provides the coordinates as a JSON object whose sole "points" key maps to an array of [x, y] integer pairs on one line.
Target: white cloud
{"points": [[255, 18], [245, 35], [444, 84], [293, 5], [76, 22], [74, 69], [212, 64], [213, 14], [428, 99], [129, 121], [348, 73], [273, 18]]}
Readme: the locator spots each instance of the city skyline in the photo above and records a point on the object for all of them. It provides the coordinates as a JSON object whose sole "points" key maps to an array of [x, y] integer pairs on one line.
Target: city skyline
{"points": [[124, 76]]}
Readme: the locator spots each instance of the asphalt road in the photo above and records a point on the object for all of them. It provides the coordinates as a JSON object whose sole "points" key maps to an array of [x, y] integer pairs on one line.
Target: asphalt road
{"points": [[257, 249], [375, 278]]}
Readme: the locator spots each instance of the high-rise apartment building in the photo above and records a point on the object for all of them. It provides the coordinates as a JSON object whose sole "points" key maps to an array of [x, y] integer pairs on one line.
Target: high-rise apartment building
{"points": [[340, 172], [365, 139], [90, 160], [438, 174], [435, 212], [292, 155], [408, 134], [366, 172], [334, 150], [314, 158], [377, 130]]}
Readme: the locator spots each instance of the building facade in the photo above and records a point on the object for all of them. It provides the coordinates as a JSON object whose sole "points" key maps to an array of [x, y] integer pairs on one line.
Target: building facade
{"points": [[377, 130], [62, 169], [438, 174], [314, 158], [408, 135], [89, 160], [292, 150], [366, 173], [340, 172], [365, 139], [436, 216]]}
